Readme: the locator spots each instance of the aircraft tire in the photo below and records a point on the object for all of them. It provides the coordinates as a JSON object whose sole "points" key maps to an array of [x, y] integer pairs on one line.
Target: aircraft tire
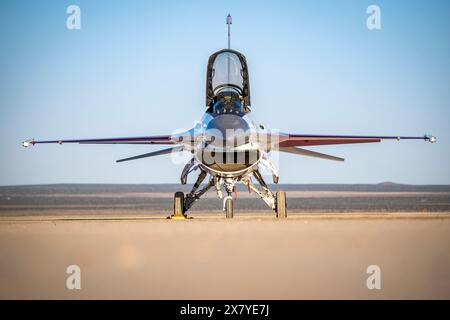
{"points": [[178, 203], [281, 205], [229, 208]]}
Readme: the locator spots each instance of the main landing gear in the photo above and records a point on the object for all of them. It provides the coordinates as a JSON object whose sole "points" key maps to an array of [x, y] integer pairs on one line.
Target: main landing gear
{"points": [[180, 205], [183, 202], [280, 206], [277, 201]]}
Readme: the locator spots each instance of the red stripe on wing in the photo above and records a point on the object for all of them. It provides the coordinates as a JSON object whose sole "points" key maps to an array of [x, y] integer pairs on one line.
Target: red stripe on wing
{"points": [[298, 142]]}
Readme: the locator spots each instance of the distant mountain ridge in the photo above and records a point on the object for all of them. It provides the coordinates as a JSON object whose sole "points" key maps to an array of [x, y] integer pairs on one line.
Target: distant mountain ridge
{"points": [[120, 188]]}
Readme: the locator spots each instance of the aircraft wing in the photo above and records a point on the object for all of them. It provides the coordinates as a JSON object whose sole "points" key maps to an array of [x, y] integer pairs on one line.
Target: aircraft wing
{"points": [[160, 139], [298, 140]]}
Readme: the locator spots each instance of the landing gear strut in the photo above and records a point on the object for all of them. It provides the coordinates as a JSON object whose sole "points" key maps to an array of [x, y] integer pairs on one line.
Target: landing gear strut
{"points": [[276, 201], [183, 203]]}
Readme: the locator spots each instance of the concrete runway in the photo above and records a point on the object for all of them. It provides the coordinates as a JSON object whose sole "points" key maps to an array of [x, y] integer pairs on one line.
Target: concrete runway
{"points": [[308, 256]]}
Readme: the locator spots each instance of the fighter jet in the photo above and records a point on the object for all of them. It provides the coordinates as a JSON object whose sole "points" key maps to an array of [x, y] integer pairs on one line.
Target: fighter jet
{"points": [[227, 147]]}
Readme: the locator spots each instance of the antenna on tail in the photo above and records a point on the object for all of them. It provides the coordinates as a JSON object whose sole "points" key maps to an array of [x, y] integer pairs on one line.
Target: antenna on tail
{"points": [[229, 22]]}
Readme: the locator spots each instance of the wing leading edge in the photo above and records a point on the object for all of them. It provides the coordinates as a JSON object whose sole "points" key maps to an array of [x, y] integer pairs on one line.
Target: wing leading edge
{"points": [[186, 137], [299, 140], [163, 139]]}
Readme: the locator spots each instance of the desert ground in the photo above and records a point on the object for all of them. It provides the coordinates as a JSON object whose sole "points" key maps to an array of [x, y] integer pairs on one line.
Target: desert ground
{"points": [[127, 249]]}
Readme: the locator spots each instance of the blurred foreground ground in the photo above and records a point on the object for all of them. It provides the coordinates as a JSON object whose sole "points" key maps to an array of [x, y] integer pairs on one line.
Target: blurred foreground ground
{"points": [[254, 256], [126, 248]]}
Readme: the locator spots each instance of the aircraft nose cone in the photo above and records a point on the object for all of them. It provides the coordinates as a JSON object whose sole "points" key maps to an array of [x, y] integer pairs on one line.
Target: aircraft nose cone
{"points": [[228, 130]]}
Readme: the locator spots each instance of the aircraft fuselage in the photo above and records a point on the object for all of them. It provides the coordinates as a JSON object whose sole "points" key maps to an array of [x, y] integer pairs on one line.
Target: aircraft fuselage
{"points": [[230, 147]]}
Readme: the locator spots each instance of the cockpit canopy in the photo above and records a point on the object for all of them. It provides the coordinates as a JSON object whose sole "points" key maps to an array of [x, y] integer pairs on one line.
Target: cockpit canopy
{"points": [[227, 75]]}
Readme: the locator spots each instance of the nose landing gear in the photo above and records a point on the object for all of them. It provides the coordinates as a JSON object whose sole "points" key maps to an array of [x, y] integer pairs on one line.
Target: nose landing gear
{"points": [[228, 201], [228, 207]]}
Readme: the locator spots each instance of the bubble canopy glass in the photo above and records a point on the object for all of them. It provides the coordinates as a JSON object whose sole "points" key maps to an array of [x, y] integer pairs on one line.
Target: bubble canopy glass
{"points": [[227, 71]]}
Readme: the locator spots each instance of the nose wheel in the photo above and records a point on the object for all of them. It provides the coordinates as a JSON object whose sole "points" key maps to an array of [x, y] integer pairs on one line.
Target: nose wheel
{"points": [[228, 207]]}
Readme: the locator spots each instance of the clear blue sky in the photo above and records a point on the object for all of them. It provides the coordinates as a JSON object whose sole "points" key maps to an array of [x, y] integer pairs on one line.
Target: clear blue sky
{"points": [[138, 68]]}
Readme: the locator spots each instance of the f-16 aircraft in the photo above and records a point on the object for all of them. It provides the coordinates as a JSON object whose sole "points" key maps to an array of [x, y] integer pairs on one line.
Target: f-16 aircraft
{"points": [[227, 146]]}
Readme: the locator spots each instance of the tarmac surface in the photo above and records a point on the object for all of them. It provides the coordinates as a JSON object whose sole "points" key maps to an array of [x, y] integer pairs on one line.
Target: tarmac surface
{"points": [[254, 256]]}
